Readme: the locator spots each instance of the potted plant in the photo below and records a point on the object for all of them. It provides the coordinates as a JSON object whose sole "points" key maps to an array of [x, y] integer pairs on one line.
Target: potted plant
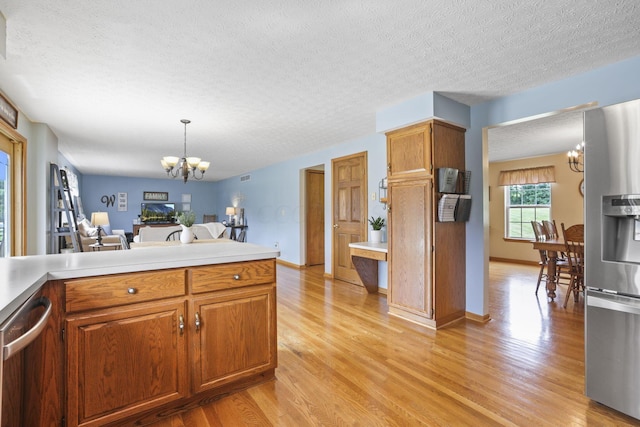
{"points": [[186, 220], [376, 229]]}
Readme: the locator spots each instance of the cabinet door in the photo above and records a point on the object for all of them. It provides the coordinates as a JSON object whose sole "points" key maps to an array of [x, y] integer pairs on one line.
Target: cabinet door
{"points": [[409, 152], [236, 335], [410, 249], [125, 360]]}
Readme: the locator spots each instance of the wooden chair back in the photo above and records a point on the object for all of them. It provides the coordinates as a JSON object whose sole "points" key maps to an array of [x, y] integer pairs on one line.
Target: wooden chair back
{"points": [[551, 229], [209, 218], [175, 235], [539, 231], [574, 244]]}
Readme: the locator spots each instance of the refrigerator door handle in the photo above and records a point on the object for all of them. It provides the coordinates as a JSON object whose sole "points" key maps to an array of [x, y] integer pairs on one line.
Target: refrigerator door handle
{"points": [[631, 307]]}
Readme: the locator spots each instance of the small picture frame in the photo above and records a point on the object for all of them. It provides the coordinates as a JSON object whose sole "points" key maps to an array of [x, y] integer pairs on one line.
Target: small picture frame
{"points": [[8, 113], [159, 196], [122, 202]]}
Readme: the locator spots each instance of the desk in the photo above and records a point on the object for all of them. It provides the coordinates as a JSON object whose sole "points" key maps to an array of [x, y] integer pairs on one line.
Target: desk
{"points": [[365, 257], [552, 246]]}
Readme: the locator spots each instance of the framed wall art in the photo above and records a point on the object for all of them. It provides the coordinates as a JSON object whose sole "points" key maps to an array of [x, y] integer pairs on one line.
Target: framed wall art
{"points": [[160, 196], [8, 113]]}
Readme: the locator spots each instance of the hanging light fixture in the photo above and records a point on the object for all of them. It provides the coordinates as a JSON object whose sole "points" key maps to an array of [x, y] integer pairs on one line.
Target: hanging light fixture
{"points": [[187, 166], [576, 158]]}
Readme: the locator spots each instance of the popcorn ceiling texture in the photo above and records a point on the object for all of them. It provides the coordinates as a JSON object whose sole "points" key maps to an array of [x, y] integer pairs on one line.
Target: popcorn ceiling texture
{"points": [[267, 81]]}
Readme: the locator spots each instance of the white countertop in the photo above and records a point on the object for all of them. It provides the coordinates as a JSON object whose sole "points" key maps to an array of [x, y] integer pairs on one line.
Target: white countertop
{"points": [[20, 277], [370, 246]]}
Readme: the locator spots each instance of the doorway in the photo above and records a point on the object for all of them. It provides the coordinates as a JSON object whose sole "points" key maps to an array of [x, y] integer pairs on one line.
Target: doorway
{"points": [[349, 211], [314, 216]]}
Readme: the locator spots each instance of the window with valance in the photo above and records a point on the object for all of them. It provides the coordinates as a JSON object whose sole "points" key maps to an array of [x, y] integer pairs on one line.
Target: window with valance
{"points": [[527, 198]]}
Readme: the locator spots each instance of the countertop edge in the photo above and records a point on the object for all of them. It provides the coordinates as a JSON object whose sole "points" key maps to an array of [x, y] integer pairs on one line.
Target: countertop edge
{"points": [[370, 246], [21, 277]]}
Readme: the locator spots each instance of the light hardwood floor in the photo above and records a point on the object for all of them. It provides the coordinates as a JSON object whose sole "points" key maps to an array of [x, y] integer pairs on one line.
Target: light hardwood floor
{"points": [[343, 361]]}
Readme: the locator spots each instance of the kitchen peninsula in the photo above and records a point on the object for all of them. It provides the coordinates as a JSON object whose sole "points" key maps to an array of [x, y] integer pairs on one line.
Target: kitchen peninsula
{"points": [[133, 334]]}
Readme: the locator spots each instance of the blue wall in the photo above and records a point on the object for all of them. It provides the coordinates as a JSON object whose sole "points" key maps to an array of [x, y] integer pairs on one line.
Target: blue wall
{"points": [[272, 198], [93, 187], [607, 85], [273, 202]]}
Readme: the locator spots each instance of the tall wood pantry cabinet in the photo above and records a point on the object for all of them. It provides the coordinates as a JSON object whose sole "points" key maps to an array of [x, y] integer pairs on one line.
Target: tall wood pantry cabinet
{"points": [[426, 257]]}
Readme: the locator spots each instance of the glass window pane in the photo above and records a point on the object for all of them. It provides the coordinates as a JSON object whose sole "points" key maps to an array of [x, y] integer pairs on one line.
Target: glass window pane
{"points": [[4, 203], [526, 203]]}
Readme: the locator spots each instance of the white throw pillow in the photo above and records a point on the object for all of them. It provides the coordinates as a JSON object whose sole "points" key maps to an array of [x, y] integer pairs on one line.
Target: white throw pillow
{"points": [[86, 230]]}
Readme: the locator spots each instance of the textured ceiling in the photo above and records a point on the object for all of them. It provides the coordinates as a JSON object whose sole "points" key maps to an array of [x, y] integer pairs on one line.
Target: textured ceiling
{"points": [[538, 137], [267, 81]]}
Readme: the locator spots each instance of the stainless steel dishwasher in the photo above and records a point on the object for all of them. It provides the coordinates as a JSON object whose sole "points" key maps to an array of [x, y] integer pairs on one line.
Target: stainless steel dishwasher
{"points": [[17, 332]]}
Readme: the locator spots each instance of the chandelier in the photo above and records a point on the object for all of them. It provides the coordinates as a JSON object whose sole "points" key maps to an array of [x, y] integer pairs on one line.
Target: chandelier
{"points": [[188, 166], [576, 158]]}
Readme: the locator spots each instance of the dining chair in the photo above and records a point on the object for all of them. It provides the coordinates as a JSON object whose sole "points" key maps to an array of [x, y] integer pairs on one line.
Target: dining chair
{"points": [[574, 243], [175, 235], [538, 231], [550, 228], [552, 233], [562, 276]]}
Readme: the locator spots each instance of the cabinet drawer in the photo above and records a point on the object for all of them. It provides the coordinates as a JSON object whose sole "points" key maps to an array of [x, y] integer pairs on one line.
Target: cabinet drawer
{"points": [[120, 289], [234, 275]]}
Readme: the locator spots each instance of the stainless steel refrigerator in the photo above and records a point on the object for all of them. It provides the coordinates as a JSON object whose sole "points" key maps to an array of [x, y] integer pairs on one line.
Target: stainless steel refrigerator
{"points": [[612, 256]]}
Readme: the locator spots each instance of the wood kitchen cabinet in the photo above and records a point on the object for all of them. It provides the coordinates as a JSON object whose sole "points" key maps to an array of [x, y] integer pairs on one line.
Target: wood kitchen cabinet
{"points": [[231, 301], [426, 258], [124, 360], [409, 153], [224, 316], [139, 343]]}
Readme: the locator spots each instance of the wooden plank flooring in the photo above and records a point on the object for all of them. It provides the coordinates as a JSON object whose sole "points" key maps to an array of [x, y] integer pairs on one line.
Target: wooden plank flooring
{"points": [[343, 361]]}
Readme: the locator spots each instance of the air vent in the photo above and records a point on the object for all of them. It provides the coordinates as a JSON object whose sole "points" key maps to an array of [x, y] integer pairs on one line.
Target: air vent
{"points": [[245, 178]]}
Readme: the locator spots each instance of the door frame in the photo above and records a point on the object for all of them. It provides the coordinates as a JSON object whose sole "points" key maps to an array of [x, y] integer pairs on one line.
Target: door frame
{"points": [[313, 170], [17, 149]]}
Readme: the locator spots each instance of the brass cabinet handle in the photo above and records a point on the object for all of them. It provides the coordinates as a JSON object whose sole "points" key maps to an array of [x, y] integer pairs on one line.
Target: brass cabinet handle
{"points": [[236, 277], [132, 291], [181, 324], [197, 321]]}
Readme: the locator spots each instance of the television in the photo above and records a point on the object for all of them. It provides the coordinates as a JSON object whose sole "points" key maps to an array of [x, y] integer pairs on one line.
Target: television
{"points": [[157, 213]]}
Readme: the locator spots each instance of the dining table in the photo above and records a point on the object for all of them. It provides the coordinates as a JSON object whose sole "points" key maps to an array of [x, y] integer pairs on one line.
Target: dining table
{"points": [[553, 247]]}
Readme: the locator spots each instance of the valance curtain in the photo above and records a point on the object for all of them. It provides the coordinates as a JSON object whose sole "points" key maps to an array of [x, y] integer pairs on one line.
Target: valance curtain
{"points": [[528, 176]]}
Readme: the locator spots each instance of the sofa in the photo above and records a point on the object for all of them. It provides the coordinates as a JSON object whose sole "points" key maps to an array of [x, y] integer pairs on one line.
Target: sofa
{"points": [[88, 236], [210, 230]]}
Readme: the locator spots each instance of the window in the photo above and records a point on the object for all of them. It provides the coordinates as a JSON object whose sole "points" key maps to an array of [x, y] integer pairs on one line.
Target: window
{"points": [[12, 211], [526, 203]]}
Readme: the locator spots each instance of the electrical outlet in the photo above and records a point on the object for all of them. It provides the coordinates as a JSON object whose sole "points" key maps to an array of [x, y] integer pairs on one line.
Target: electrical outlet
{"points": [[373, 196], [276, 245]]}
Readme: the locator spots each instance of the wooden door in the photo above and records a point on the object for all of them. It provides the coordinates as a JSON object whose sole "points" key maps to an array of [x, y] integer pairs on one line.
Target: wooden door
{"points": [[124, 361], [236, 337], [410, 249], [349, 193], [314, 216]]}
